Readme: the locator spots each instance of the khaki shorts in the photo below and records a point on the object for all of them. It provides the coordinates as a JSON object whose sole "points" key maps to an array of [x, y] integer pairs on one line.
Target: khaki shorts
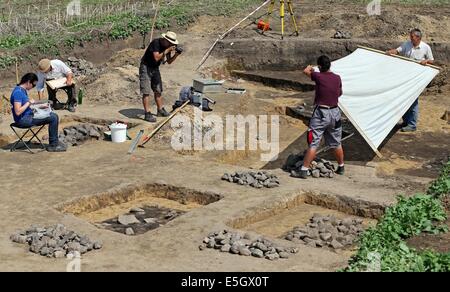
{"points": [[326, 123], [150, 80]]}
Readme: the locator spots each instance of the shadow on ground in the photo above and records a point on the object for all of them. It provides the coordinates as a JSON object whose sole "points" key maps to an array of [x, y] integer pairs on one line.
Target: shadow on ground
{"points": [[132, 113]]}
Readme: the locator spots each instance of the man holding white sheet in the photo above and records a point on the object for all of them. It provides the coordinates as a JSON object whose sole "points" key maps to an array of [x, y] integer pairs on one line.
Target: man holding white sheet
{"points": [[417, 50], [56, 69]]}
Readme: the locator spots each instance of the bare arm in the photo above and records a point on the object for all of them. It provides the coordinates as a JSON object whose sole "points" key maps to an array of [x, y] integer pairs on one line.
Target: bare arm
{"points": [[69, 79], [159, 56], [392, 52], [173, 58], [19, 108], [425, 62], [308, 71]]}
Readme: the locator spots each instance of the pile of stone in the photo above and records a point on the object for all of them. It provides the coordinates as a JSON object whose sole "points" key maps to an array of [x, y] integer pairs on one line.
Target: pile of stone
{"points": [[140, 220], [247, 245], [81, 67], [55, 241], [342, 35], [256, 179], [327, 231], [318, 168], [76, 135]]}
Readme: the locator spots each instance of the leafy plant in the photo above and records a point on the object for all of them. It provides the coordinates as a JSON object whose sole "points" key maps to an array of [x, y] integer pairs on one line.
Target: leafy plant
{"points": [[7, 61], [441, 186], [410, 216]]}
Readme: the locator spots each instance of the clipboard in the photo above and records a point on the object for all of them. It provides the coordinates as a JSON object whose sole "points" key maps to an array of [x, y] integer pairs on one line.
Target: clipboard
{"points": [[58, 83]]}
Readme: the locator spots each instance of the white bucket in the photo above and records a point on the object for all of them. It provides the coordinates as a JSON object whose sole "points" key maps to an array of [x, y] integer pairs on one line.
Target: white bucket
{"points": [[118, 132]]}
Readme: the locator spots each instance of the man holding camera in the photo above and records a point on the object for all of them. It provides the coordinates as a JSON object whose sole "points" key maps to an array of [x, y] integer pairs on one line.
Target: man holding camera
{"points": [[161, 50]]}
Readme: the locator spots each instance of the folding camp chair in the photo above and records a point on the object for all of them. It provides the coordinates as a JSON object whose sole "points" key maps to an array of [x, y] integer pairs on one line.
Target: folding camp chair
{"points": [[34, 130]]}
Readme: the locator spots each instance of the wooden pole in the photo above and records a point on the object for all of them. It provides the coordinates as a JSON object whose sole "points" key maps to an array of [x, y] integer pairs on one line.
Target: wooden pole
{"points": [[17, 73], [400, 57], [205, 57], [163, 123], [155, 17]]}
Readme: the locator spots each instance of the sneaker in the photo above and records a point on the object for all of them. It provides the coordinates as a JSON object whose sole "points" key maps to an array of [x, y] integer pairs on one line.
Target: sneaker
{"points": [[149, 118], [400, 125], [71, 108], [340, 170], [163, 113], [408, 129], [58, 106], [300, 174], [57, 148]]}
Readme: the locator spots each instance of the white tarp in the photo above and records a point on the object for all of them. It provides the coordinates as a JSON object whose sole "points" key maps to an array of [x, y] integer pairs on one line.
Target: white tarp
{"points": [[378, 89]]}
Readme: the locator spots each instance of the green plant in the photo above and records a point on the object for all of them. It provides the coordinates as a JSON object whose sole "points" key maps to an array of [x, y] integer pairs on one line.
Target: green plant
{"points": [[7, 61], [441, 186], [410, 216]]}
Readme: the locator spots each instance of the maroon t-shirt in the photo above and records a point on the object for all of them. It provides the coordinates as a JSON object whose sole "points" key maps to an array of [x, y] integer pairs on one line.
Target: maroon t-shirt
{"points": [[328, 88]]}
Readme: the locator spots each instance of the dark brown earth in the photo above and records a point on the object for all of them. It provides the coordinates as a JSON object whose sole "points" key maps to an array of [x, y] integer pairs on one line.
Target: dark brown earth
{"points": [[435, 242]]}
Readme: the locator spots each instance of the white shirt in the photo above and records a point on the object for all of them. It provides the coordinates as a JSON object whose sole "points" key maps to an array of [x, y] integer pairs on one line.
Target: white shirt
{"points": [[59, 70], [419, 53]]}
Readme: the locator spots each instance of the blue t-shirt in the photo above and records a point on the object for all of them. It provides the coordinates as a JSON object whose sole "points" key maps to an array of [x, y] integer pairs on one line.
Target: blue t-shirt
{"points": [[19, 94]]}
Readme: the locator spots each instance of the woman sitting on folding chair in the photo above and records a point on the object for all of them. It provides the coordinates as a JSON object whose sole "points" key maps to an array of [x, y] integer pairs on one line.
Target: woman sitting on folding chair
{"points": [[23, 114]]}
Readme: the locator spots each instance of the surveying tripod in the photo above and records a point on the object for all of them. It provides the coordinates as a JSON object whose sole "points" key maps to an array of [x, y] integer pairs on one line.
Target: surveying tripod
{"points": [[282, 11]]}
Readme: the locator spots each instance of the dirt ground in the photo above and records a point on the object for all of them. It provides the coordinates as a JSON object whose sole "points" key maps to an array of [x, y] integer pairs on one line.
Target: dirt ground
{"points": [[409, 161]]}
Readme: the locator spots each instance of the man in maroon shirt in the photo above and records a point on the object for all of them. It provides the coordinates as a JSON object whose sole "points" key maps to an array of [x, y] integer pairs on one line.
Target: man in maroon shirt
{"points": [[326, 118]]}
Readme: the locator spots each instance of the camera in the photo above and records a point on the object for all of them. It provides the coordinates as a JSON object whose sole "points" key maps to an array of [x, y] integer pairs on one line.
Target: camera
{"points": [[179, 50]]}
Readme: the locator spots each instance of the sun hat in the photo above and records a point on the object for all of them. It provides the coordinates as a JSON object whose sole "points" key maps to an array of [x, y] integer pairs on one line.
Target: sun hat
{"points": [[171, 37], [44, 65]]}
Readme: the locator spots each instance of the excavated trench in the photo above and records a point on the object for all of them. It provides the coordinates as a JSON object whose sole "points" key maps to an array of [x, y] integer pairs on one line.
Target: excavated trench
{"points": [[138, 208], [275, 219]]}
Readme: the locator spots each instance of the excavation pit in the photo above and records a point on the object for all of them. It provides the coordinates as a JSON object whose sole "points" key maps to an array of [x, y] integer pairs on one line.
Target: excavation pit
{"points": [[276, 219], [134, 210]]}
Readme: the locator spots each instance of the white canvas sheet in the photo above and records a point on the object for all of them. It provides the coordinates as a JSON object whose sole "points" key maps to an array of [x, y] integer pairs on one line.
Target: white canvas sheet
{"points": [[378, 89]]}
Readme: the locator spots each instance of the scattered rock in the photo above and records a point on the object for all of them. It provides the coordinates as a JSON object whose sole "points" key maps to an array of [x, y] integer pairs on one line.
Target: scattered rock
{"points": [[257, 253], [225, 248], [246, 245], [127, 219], [254, 179], [81, 67], [273, 256], [335, 244], [129, 231], [151, 220], [318, 167], [54, 241], [342, 35], [284, 255], [244, 251], [137, 210], [98, 245], [329, 231], [78, 134], [59, 254]]}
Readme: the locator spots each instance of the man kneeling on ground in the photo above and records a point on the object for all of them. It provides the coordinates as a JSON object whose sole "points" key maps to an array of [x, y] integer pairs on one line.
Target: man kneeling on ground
{"points": [[326, 118], [56, 69], [23, 115]]}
